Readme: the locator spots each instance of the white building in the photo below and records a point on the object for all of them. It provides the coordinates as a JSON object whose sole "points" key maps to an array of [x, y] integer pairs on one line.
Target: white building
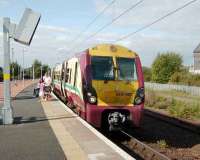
{"points": [[196, 67]]}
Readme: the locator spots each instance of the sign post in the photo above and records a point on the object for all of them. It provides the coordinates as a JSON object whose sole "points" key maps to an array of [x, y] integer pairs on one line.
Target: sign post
{"points": [[7, 109], [23, 33]]}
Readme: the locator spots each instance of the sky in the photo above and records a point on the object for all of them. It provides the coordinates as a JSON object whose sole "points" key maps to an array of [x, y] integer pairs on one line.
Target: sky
{"points": [[58, 34]]}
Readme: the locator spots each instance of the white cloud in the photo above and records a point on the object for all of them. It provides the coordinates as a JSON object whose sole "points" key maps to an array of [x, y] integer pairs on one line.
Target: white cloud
{"points": [[4, 3], [45, 45], [179, 32]]}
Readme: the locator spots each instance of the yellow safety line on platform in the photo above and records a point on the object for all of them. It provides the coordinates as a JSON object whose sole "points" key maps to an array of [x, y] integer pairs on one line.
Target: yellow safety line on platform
{"points": [[6, 76], [69, 146]]}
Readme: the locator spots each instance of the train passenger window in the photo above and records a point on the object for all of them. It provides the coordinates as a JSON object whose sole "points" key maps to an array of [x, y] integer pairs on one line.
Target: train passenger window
{"points": [[62, 74], [102, 68], [126, 69], [75, 74], [67, 75], [70, 73]]}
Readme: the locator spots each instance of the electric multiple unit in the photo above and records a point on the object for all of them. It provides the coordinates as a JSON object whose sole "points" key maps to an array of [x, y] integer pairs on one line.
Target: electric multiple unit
{"points": [[104, 85]]}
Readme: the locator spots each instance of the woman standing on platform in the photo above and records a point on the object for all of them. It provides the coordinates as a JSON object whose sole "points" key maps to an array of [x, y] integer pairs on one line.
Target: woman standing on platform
{"points": [[41, 86]]}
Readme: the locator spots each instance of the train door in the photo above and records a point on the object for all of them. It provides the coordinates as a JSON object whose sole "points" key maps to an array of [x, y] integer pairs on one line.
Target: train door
{"points": [[78, 86], [62, 79], [75, 75]]}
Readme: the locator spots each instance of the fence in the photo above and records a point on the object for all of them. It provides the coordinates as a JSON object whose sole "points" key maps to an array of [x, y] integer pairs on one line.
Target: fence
{"points": [[195, 91]]}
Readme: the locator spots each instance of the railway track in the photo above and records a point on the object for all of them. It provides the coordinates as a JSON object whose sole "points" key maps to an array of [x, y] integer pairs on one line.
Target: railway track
{"points": [[143, 150], [142, 142], [185, 124]]}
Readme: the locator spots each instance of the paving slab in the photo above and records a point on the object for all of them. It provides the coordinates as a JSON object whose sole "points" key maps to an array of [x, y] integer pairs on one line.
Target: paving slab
{"points": [[16, 87], [78, 139], [47, 130], [31, 137]]}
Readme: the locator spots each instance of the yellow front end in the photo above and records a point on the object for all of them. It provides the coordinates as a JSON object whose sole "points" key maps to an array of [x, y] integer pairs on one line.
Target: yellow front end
{"points": [[116, 91], [116, 95]]}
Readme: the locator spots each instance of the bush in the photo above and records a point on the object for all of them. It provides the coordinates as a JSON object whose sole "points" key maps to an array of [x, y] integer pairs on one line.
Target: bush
{"points": [[147, 74], [184, 110], [162, 144], [185, 78], [165, 65], [150, 99], [157, 102], [174, 107]]}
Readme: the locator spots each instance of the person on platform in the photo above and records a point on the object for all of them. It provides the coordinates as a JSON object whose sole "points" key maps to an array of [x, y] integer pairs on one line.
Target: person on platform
{"points": [[47, 85], [41, 88]]}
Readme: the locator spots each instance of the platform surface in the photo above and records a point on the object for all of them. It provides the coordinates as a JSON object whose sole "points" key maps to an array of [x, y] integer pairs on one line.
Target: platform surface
{"points": [[31, 137], [49, 130]]}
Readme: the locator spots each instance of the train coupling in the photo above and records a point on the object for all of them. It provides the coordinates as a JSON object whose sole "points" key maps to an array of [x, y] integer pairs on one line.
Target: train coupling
{"points": [[116, 120]]}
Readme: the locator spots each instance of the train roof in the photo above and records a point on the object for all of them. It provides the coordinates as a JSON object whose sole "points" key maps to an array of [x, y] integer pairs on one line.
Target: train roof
{"points": [[111, 50], [104, 50], [58, 67]]}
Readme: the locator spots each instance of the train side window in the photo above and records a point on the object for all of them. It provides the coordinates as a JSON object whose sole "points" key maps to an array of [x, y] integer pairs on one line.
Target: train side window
{"points": [[75, 74], [67, 75], [70, 73], [62, 74]]}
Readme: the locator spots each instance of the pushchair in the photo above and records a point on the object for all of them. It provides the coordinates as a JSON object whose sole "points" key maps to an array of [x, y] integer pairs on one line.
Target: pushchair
{"points": [[47, 92], [36, 91]]}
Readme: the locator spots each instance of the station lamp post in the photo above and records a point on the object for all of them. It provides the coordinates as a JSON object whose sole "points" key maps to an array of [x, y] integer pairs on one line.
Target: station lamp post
{"points": [[13, 69], [33, 72], [22, 33], [23, 50]]}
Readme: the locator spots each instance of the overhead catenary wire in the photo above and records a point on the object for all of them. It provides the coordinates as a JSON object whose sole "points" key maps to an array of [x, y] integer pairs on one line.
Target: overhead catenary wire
{"points": [[156, 21], [94, 20], [111, 22], [115, 19], [26, 4]]}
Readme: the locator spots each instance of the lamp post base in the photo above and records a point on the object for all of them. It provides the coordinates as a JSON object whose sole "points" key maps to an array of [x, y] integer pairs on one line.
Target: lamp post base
{"points": [[7, 116]]}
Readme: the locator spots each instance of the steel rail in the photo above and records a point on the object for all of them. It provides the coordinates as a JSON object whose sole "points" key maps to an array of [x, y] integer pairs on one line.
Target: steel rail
{"points": [[144, 150]]}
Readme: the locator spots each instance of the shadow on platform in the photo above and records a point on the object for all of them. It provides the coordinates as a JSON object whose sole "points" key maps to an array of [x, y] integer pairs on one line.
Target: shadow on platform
{"points": [[21, 120], [23, 97]]}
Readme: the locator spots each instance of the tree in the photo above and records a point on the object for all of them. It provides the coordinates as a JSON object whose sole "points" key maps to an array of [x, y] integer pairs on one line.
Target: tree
{"points": [[147, 73], [45, 68], [165, 65], [14, 66], [37, 68]]}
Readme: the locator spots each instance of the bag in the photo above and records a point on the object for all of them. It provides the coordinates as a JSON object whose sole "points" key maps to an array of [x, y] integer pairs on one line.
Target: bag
{"points": [[36, 92]]}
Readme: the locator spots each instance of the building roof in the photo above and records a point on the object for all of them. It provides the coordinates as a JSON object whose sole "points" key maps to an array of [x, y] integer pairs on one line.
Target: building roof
{"points": [[197, 49]]}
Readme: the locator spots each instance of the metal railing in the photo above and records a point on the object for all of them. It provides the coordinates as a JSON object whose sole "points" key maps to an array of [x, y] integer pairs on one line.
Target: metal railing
{"points": [[193, 90]]}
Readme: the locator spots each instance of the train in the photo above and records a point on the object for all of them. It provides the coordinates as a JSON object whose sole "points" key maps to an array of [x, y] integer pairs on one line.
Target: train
{"points": [[104, 85]]}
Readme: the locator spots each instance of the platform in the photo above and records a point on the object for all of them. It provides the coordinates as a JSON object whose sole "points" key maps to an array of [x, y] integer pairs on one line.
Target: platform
{"points": [[49, 130]]}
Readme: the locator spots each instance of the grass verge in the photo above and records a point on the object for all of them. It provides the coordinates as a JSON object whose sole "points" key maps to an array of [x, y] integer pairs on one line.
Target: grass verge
{"points": [[174, 107]]}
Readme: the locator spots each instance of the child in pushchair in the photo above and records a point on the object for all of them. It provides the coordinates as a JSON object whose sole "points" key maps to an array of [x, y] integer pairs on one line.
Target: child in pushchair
{"points": [[38, 91]]}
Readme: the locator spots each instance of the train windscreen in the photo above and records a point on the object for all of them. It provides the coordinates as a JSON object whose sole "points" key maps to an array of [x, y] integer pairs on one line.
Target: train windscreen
{"points": [[126, 69], [102, 68]]}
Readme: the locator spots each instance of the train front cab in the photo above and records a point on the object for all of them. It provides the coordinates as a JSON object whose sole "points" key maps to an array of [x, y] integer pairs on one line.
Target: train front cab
{"points": [[117, 93]]}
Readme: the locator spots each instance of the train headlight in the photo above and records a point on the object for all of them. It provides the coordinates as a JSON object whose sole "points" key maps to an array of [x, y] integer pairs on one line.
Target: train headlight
{"points": [[138, 100], [89, 94], [92, 99], [139, 97]]}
